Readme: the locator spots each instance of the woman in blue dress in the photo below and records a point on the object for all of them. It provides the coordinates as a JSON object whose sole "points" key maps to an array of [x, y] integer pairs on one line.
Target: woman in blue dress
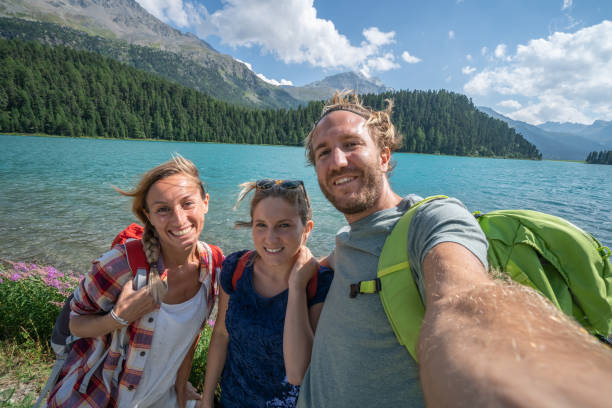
{"points": [[269, 303]]}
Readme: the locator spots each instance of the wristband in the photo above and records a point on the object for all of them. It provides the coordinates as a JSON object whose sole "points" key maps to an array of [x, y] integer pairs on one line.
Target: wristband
{"points": [[119, 320]]}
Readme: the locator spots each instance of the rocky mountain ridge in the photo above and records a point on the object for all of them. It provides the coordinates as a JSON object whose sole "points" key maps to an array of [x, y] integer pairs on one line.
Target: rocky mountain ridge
{"points": [[553, 144], [127, 21]]}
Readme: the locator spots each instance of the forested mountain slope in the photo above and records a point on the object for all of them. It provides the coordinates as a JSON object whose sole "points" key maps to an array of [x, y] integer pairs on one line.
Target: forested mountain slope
{"points": [[58, 90], [195, 65]]}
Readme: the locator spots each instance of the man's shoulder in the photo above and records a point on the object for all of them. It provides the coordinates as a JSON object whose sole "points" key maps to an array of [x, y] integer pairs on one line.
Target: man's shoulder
{"points": [[408, 201], [445, 220], [443, 206]]}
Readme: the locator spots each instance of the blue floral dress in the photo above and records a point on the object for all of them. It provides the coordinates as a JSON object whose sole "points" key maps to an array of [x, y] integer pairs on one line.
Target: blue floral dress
{"points": [[254, 372]]}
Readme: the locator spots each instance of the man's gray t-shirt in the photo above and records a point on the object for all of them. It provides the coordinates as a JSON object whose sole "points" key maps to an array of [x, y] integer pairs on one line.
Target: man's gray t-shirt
{"points": [[356, 358]]}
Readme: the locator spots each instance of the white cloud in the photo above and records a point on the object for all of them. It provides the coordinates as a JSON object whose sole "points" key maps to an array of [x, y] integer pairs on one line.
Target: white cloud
{"points": [[469, 57], [566, 4], [289, 30], [377, 37], [174, 11], [510, 104], [483, 51], [274, 81], [467, 70], [381, 63], [500, 50], [264, 78], [451, 35], [566, 77], [410, 59]]}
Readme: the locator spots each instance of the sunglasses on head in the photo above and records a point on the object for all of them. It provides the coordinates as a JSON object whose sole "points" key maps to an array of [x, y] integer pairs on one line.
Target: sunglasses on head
{"points": [[266, 184]]}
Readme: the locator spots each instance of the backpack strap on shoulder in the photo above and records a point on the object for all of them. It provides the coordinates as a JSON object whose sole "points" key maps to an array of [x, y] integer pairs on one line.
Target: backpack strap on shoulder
{"points": [[391, 260], [311, 287], [400, 298], [240, 267], [137, 259], [209, 257]]}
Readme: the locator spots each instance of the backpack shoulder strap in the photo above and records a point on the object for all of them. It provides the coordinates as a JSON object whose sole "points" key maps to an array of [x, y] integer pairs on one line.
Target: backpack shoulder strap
{"points": [[398, 291], [217, 255], [240, 267], [311, 287], [137, 259], [393, 256], [217, 262]]}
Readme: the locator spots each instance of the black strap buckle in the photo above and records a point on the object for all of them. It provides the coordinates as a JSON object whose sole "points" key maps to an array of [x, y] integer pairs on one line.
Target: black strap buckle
{"points": [[356, 288]]}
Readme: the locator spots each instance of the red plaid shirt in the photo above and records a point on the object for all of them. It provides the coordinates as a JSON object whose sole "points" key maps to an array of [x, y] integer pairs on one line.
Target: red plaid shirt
{"points": [[97, 294]]}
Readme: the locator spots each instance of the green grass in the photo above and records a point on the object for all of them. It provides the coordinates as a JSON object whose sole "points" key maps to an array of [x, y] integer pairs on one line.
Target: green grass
{"points": [[24, 369]]}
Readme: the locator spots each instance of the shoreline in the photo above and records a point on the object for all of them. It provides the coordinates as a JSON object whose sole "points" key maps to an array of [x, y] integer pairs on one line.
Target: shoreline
{"points": [[262, 144]]}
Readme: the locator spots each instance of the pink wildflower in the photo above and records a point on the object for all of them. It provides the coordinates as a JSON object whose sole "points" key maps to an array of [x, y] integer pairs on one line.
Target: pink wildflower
{"points": [[51, 272], [20, 267], [15, 277]]}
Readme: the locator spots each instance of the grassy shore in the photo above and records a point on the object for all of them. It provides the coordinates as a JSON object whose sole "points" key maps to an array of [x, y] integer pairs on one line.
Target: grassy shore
{"points": [[24, 368]]}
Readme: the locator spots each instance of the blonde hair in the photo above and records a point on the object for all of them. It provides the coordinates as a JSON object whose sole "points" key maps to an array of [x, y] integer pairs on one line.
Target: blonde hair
{"points": [[381, 130], [294, 196], [150, 239]]}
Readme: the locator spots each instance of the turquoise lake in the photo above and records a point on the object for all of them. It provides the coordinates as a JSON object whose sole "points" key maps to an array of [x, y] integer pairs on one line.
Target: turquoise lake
{"points": [[58, 206]]}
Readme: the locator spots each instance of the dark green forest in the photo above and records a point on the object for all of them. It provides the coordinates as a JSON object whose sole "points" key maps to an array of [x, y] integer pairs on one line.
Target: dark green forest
{"points": [[219, 82], [603, 157], [61, 91]]}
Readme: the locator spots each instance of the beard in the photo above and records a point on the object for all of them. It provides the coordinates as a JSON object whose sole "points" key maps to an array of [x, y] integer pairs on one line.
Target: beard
{"points": [[361, 200]]}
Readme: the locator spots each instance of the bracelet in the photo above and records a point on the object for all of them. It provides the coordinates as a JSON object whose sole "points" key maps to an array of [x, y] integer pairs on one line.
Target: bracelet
{"points": [[119, 320]]}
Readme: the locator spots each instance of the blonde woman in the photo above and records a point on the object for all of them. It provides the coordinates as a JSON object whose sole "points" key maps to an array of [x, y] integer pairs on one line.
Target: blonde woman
{"points": [[163, 319]]}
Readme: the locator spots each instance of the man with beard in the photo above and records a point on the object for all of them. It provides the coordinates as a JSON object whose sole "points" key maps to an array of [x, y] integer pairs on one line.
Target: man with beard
{"points": [[482, 343]]}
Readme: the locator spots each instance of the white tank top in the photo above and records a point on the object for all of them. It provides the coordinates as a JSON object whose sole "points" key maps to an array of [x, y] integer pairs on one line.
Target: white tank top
{"points": [[176, 328]]}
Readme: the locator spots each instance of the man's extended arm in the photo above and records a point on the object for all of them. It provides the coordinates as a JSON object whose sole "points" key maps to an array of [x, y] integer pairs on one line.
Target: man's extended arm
{"points": [[486, 342]]}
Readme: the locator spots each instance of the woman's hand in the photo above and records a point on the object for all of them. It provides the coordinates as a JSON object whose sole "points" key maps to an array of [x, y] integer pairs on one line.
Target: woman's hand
{"points": [[187, 393], [303, 270], [133, 304]]}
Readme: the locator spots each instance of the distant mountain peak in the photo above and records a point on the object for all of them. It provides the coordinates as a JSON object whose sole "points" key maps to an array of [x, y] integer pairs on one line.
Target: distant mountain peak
{"points": [[566, 141], [351, 80], [325, 88]]}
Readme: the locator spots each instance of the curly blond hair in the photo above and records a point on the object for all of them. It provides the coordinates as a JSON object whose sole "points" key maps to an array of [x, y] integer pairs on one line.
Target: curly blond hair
{"points": [[381, 130]]}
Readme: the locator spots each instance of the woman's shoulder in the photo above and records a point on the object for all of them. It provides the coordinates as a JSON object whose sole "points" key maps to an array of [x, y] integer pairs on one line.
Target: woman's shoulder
{"points": [[113, 262], [229, 266], [325, 276]]}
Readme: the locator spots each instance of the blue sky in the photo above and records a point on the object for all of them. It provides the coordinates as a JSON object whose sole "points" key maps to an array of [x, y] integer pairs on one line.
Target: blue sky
{"points": [[535, 61]]}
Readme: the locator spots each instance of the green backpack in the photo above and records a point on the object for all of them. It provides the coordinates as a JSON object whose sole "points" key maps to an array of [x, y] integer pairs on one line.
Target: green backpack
{"points": [[567, 265]]}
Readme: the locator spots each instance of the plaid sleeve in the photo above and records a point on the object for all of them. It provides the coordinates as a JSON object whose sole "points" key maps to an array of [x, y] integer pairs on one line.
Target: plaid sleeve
{"points": [[99, 290]]}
